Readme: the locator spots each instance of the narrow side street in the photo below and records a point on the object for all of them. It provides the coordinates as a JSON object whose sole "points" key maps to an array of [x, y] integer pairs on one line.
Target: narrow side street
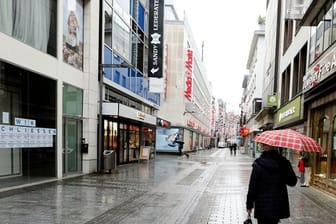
{"points": [[209, 187]]}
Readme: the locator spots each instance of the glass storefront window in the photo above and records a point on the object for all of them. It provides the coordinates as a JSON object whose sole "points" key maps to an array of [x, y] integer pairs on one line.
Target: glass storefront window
{"points": [[333, 155], [72, 100], [134, 142], [322, 139], [123, 149], [27, 102]]}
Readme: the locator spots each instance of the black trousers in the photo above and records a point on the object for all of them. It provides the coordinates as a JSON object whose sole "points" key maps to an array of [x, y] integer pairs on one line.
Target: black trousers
{"points": [[268, 221]]}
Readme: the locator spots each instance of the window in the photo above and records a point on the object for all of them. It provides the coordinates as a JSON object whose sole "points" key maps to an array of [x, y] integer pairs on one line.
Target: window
{"points": [[322, 33], [285, 84], [322, 139], [312, 55], [108, 25], [288, 34], [333, 152], [121, 37], [327, 20], [334, 23], [141, 17], [27, 95], [299, 70], [31, 22]]}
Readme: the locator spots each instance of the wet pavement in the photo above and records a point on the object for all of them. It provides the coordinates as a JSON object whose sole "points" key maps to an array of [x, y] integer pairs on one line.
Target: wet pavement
{"points": [[209, 187]]}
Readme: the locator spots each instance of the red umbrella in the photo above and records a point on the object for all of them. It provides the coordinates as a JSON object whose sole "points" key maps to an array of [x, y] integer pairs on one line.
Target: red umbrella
{"points": [[288, 138]]}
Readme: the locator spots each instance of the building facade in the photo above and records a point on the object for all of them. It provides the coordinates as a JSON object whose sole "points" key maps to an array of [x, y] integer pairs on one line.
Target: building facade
{"points": [[253, 92], [186, 102], [320, 90], [48, 90], [128, 107], [270, 75]]}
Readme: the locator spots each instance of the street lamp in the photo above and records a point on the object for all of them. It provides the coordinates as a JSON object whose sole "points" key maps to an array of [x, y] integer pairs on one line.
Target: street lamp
{"points": [[100, 112]]}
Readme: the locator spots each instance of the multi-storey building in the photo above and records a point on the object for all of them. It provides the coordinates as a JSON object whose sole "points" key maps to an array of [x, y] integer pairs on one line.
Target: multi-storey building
{"points": [[48, 90], [128, 107], [68, 67], [319, 89], [253, 91], [293, 46], [186, 102], [270, 75], [300, 70]]}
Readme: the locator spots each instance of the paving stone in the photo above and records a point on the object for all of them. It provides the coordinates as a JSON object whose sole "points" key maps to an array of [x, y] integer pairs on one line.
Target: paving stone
{"points": [[208, 188]]}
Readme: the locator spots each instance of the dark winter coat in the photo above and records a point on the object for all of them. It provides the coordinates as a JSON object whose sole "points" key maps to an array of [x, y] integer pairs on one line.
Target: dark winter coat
{"points": [[267, 192]]}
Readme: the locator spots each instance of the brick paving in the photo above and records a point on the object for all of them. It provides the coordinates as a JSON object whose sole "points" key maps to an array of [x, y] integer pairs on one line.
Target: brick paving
{"points": [[208, 188]]}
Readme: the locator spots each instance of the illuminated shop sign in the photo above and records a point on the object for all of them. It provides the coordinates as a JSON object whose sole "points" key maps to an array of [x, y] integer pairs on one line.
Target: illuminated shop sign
{"points": [[191, 123], [319, 71], [188, 74], [162, 123], [290, 111], [140, 115]]}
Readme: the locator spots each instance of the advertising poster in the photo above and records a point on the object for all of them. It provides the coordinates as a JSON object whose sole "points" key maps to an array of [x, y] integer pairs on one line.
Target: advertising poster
{"points": [[165, 138], [73, 33]]}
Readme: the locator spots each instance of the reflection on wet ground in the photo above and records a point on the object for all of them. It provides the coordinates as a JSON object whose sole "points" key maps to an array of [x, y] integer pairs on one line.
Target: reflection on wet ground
{"points": [[209, 187]]}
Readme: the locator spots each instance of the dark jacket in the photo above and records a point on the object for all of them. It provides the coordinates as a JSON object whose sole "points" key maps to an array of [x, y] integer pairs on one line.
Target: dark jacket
{"points": [[267, 192]]}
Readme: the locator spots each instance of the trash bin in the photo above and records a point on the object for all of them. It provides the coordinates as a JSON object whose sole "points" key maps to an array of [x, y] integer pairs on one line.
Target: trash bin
{"points": [[109, 160]]}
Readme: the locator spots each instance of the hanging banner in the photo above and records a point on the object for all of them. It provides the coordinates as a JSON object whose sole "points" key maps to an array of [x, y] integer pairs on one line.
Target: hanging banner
{"points": [[155, 52]]}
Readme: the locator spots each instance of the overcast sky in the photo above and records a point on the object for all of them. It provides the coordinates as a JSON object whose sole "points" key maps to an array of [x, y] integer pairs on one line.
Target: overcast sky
{"points": [[226, 27]]}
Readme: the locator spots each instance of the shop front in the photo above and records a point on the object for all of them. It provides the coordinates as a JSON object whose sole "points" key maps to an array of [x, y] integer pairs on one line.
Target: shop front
{"points": [[127, 131], [322, 121], [290, 116], [27, 126], [320, 103]]}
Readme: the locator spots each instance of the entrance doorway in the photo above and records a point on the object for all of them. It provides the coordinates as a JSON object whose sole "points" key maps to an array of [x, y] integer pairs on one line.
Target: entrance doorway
{"points": [[72, 134]]}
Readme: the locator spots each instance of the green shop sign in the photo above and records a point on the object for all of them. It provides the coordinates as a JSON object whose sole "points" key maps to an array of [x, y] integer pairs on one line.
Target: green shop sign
{"points": [[290, 111], [272, 100]]}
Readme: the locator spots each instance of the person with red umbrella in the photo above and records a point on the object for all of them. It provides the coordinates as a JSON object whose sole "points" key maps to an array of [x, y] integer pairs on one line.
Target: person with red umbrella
{"points": [[267, 192]]}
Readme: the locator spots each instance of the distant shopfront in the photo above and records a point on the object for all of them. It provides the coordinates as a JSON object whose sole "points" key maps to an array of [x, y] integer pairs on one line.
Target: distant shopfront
{"points": [[126, 130]]}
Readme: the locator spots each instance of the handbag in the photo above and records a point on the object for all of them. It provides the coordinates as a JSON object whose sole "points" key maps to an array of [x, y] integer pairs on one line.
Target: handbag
{"points": [[248, 220]]}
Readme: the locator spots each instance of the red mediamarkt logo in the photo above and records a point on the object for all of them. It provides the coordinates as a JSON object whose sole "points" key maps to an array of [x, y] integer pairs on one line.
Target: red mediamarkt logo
{"points": [[188, 73]]}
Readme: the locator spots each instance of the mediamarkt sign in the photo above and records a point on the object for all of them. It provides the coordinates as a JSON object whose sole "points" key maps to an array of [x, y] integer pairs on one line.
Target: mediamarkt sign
{"points": [[188, 74]]}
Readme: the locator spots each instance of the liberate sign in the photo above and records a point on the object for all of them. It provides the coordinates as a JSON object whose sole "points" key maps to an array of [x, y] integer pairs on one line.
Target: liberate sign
{"points": [[188, 74]]}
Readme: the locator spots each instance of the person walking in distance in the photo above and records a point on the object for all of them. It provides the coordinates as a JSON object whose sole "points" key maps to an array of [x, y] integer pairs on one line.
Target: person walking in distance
{"points": [[301, 168], [267, 192], [234, 148]]}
